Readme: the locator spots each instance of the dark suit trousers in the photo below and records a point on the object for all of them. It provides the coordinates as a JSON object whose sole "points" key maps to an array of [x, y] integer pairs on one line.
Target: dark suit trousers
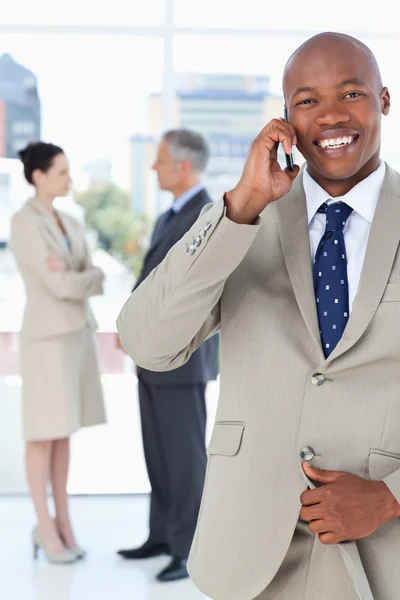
{"points": [[173, 427]]}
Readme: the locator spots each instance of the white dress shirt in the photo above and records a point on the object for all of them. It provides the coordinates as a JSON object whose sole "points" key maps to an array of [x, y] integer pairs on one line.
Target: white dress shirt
{"points": [[363, 199]]}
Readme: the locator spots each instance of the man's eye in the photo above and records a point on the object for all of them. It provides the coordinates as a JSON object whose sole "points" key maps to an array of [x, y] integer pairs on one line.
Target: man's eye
{"points": [[352, 95]]}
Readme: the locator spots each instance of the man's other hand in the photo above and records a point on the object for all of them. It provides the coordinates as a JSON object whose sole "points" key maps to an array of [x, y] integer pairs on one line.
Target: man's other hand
{"points": [[345, 507]]}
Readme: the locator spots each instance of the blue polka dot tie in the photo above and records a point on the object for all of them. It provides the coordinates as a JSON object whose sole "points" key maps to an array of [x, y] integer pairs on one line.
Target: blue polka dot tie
{"points": [[330, 276]]}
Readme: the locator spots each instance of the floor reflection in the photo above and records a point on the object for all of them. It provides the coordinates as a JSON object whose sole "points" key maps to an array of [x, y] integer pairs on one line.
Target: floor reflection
{"points": [[104, 524]]}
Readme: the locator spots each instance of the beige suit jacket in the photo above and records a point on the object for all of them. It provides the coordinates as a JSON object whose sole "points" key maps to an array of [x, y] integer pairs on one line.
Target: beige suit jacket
{"points": [[254, 284], [56, 301]]}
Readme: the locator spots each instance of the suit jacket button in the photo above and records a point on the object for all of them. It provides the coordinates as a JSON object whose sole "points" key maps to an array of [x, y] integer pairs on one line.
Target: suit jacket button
{"points": [[197, 241], [307, 453], [202, 234], [208, 226], [318, 379], [190, 250]]}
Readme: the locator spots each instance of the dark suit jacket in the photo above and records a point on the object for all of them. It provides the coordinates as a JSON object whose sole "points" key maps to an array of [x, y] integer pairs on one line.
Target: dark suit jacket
{"points": [[203, 365]]}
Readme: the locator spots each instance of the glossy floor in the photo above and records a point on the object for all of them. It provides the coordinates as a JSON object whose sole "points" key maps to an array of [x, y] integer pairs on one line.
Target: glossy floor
{"points": [[104, 524]]}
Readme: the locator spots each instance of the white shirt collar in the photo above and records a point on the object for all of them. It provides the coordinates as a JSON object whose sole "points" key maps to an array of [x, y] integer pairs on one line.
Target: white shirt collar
{"points": [[362, 198], [186, 197]]}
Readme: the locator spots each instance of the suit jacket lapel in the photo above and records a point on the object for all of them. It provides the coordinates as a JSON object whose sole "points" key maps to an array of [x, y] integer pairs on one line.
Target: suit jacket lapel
{"points": [[293, 231], [163, 231], [72, 236], [159, 232], [51, 230], [382, 246]]}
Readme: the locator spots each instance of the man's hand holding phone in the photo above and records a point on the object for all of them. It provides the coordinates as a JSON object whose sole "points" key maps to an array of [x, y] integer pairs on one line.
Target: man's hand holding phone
{"points": [[263, 181]]}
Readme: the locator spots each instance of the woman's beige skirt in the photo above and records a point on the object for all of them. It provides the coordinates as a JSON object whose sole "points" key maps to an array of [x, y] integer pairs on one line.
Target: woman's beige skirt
{"points": [[61, 387]]}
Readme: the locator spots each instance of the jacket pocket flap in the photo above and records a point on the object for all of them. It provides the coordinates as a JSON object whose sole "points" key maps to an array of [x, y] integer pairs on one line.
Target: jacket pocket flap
{"points": [[382, 463], [226, 439], [392, 292]]}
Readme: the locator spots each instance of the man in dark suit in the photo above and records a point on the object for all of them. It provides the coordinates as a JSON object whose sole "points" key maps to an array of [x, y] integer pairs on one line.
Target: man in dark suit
{"points": [[173, 404]]}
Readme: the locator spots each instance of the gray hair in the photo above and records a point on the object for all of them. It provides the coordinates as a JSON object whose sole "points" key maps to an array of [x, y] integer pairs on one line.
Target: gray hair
{"points": [[185, 144]]}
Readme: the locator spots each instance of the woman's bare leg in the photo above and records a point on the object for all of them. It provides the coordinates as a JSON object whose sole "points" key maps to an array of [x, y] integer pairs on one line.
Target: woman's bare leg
{"points": [[59, 468], [37, 459]]}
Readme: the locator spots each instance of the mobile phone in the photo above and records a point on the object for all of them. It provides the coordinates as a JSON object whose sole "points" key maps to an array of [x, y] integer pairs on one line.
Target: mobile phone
{"points": [[289, 157]]}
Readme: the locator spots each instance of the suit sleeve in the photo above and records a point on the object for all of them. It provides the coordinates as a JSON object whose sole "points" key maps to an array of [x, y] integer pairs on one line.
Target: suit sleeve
{"points": [[393, 483], [30, 251], [177, 307]]}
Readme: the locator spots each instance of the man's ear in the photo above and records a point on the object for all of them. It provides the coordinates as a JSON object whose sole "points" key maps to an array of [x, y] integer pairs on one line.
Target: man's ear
{"points": [[185, 167], [385, 100]]}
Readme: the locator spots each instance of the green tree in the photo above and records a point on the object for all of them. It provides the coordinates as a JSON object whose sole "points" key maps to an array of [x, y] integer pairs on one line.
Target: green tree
{"points": [[120, 232]]}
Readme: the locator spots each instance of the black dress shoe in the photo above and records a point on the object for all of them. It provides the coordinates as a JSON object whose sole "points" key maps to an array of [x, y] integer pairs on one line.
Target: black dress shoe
{"points": [[175, 570], [148, 550]]}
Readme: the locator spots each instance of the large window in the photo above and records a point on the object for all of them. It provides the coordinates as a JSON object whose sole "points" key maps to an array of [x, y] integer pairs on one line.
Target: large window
{"points": [[93, 91], [88, 12], [288, 17], [110, 78]]}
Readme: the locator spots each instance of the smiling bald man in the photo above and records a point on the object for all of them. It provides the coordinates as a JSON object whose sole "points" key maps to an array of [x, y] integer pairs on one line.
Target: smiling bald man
{"points": [[300, 272]]}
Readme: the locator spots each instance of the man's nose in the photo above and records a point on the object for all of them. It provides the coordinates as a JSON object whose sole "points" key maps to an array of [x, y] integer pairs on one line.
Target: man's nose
{"points": [[332, 114]]}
